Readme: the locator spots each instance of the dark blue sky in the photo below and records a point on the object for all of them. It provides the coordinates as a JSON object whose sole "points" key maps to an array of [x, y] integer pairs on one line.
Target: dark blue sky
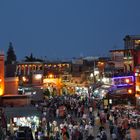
{"points": [[67, 28]]}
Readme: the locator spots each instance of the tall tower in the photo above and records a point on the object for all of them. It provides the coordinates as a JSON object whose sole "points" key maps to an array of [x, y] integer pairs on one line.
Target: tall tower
{"points": [[1, 73]]}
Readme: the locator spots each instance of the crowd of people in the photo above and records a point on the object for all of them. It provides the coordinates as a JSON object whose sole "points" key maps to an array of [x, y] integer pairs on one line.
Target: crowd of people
{"points": [[81, 118], [73, 117]]}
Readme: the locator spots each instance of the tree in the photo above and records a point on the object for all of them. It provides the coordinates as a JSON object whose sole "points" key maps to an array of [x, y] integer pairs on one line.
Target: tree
{"points": [[11, 57], [31, 58]]}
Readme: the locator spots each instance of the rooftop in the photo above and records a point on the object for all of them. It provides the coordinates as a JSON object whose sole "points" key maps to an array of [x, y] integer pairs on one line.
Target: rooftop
{"points": [[132, 37]]}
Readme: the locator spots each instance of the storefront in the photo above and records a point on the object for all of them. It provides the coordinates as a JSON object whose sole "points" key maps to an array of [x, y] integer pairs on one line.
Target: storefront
{"points": [[137, 96], [31, 121], [102, 91], [81, 91], [22, 116]]}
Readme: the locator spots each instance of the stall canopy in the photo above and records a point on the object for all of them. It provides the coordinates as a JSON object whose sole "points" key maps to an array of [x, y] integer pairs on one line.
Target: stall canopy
{"points": [[11, 112]]}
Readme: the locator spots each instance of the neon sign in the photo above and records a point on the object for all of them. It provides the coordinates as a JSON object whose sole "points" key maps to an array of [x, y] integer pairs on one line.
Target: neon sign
{"points": [[123, 81]]}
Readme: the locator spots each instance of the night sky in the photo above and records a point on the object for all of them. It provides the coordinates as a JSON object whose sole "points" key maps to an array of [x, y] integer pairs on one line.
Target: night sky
{"points": [[65, 29]]}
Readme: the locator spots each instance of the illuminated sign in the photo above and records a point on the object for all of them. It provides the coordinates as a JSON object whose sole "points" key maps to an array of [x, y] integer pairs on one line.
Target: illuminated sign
{"points": [[123, 81]]}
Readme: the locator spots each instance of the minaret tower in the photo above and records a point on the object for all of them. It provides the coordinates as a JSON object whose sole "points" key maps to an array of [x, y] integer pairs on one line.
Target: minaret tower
{"points": [[1, 73]]}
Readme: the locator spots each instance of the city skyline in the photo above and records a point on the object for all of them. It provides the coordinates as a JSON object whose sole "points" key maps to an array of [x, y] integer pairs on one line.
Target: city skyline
{"points": [[67, 29]]}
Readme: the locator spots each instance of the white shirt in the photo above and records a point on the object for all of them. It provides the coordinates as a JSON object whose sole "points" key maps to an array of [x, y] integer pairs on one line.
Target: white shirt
{"points": [[61, 125], [86, 127], [114, 136], [90, 109]]}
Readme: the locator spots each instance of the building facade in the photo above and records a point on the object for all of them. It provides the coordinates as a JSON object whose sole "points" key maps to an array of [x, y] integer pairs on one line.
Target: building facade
{"points": [[131, 45], [2, 87]]}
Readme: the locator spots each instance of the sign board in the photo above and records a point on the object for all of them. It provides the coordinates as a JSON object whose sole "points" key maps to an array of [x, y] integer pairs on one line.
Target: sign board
{"points": [[105, 102]]}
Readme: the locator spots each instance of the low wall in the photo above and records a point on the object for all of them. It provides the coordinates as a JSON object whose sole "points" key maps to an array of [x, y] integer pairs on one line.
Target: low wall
{"points": [[15, 100], [11, 86]]}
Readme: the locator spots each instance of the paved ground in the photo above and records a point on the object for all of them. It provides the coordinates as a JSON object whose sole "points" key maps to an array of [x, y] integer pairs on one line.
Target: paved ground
{"points": [[135, 134]]}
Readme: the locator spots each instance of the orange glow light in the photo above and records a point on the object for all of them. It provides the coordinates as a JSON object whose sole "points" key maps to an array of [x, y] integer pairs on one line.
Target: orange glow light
{"points": [[127, 80], [1, 87], [130, 91], [50, 75], [1, 91], [24, 79]]}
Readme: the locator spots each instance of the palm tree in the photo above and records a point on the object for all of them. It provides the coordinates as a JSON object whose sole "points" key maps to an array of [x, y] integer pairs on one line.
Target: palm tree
{"points": [[31, 58]]}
